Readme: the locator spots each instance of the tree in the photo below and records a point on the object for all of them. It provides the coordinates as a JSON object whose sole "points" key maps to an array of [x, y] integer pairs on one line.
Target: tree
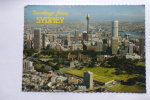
{"points": [[29, 52], [37, 67], [92, 64], [46, 69], [122, 64], [57, 67]]}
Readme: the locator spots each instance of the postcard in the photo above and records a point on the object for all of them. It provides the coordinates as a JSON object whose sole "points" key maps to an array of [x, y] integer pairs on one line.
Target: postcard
{"points": [[84, 48]]}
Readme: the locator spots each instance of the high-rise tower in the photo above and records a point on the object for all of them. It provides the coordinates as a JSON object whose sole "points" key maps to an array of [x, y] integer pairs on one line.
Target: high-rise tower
{"points": [[76, 35], [29, 40], [43, 41], [37, 39], [68, 39], [87, 18], [85, 36], [130, 50], [115, 39], [88, 79], [99, 46], [142, 46], [115, 28]]}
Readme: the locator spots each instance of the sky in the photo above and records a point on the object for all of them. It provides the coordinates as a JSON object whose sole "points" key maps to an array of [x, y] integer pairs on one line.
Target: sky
{"points": [[134, 13]]}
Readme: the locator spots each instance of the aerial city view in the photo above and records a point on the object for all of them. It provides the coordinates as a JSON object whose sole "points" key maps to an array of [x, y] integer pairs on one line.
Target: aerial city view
{"points": [[84, 49]]}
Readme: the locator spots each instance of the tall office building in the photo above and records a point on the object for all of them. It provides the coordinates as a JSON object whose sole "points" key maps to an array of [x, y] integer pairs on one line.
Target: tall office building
{"points": [[88, 79], [114, 45], [131, 48], [27, 65], [76, 35], [29, 40], [142, 46], [68, 39], [37, 39], [43, 41], [87, 18], [99, 46], [85, 36], [115, 39], [115, 29]]}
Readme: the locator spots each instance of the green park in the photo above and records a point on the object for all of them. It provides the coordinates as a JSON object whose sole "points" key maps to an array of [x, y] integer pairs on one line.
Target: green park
{"points": [[130, 73]]}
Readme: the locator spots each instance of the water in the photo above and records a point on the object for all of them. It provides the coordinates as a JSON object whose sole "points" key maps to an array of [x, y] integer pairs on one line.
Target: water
{"points": [[62, 33], [133, 34]]}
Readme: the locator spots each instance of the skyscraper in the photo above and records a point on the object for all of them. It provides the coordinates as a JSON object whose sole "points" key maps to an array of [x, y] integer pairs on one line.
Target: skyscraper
{"points": [[76, 35], [37, 39], [87, 18], [142, 46], [27, 65], [99, 46], [85, 36], [131, 48], [114, 45], [115, 29], [115, 40], [29, 40], [68, 39], [43, 41], [88, 79]]}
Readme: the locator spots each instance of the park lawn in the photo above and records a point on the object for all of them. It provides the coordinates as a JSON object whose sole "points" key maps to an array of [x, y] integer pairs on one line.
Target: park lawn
{"points": [[125, 88], [45, 56], [100, 74], [140, 64]]}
